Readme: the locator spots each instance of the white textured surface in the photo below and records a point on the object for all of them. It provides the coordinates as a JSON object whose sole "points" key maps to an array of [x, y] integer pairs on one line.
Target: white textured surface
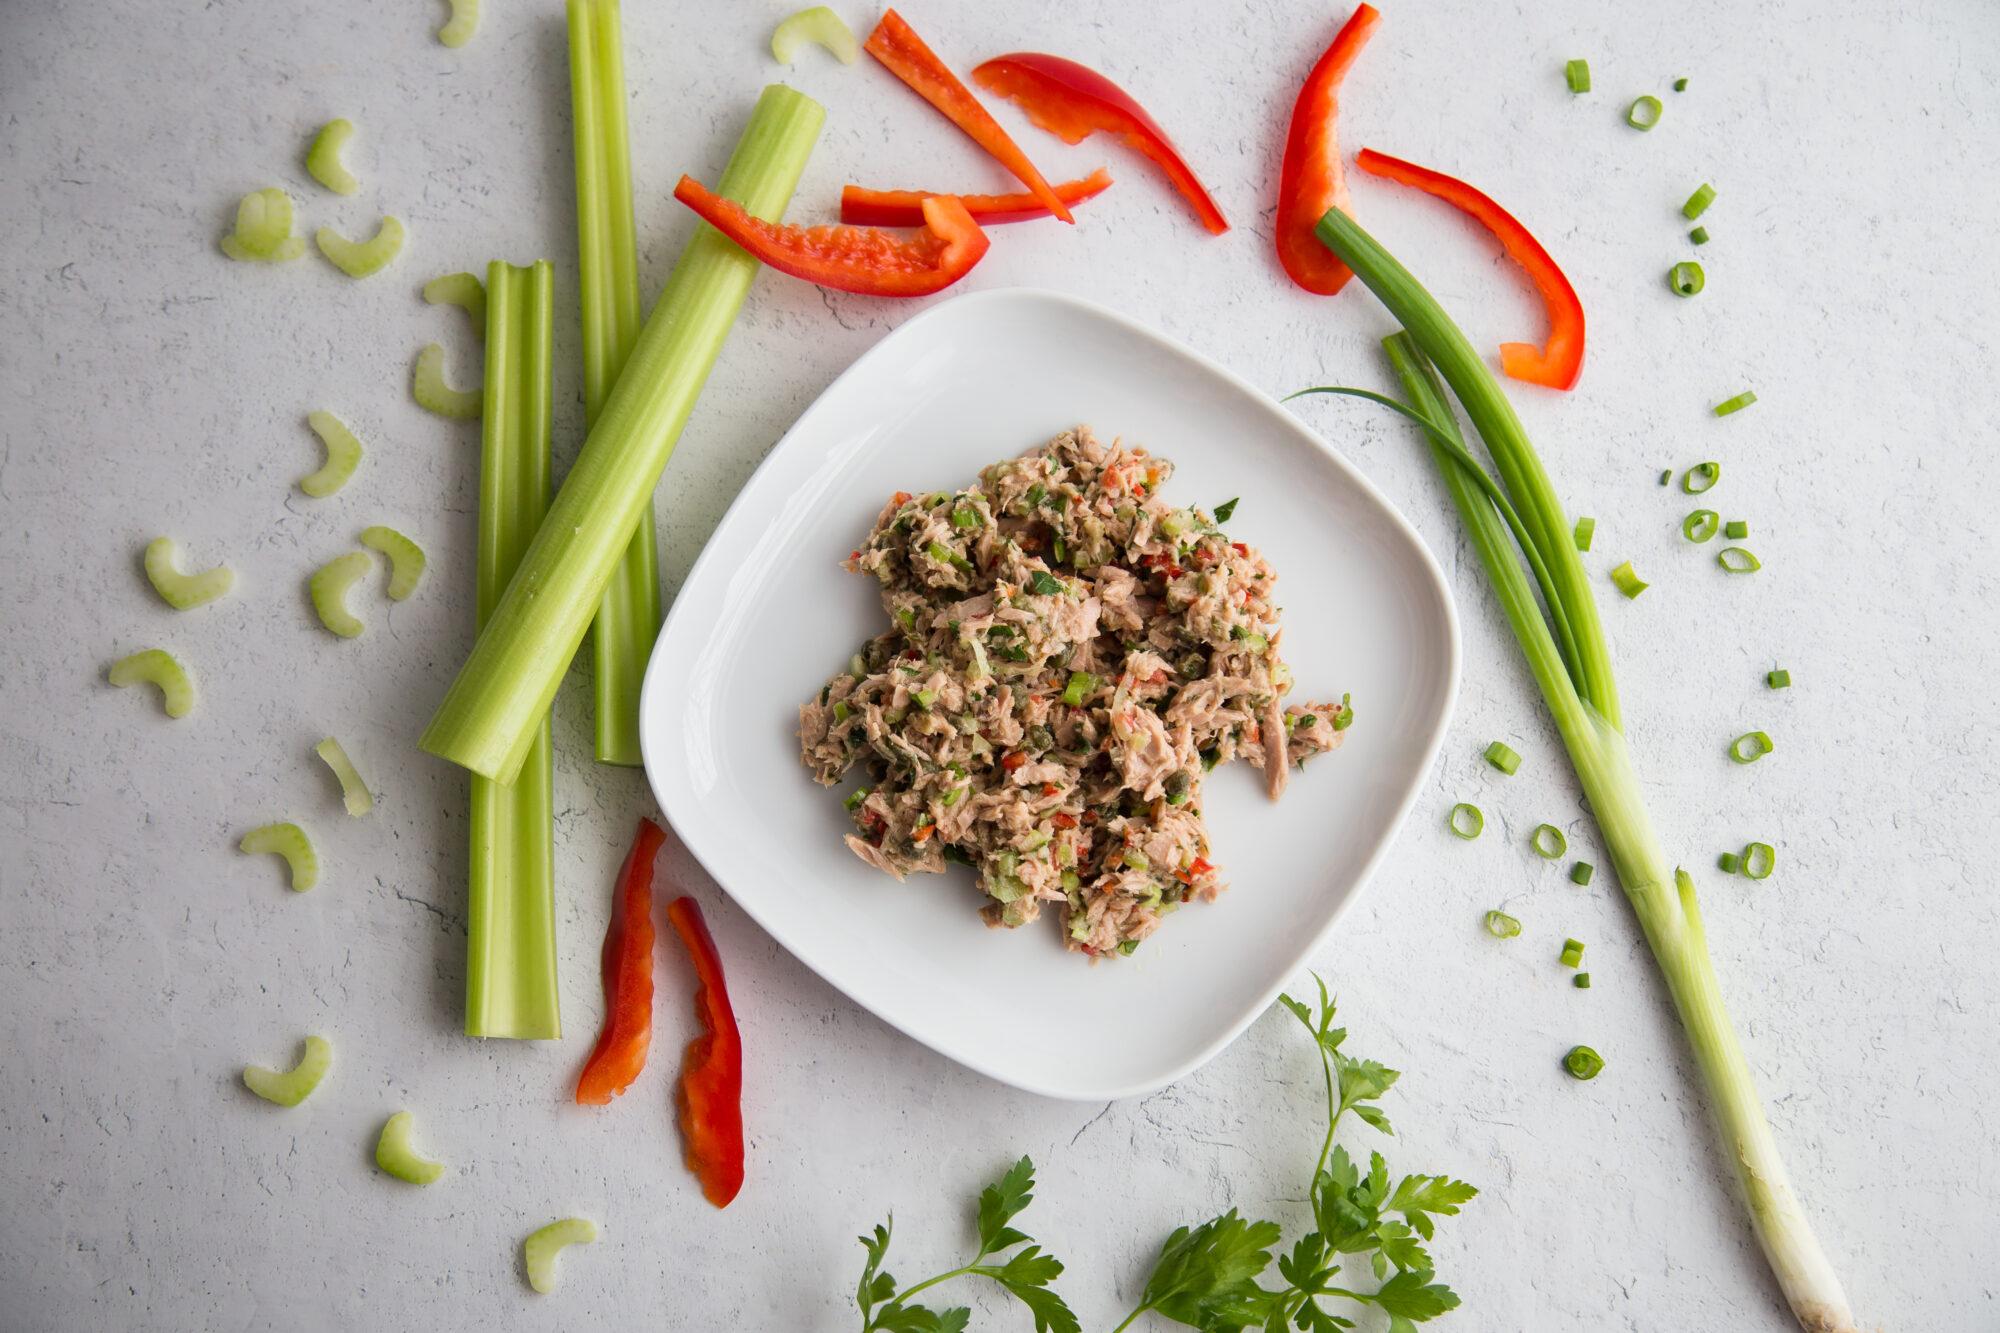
{"points": [[151, 386]]}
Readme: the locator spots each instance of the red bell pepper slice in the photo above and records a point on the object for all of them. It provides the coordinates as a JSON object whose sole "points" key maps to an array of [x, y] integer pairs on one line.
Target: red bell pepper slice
{"points": [[711, 1087], [1559, 362], [897, 46], [1073, 102], [852, 259], [620, 1052], [861, 207], [1312, 180]]}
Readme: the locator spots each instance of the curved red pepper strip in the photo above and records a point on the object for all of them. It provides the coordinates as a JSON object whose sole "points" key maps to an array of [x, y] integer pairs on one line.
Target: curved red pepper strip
{"points": [[1559, 362], [852, 259], [861, 207], [1073, 102], [620, 1052], [711, 1088], [1312, 180], [897, 46]]}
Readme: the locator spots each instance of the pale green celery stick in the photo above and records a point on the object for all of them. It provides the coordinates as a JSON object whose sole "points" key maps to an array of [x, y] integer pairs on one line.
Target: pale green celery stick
{"points": [[1583, 703], [157, 666], [343, 455], [354, 791], [323, 162], [434, 395], [510, 974], [818, 24], [628, 616], [494, 709], [183, 592], [358, 259], [289, 248], [539, 1251], [294, 1085], [462, 290], [464, 22], [396, 1154], [263, 223], [406, 559], [289, 841], [329, 585]]}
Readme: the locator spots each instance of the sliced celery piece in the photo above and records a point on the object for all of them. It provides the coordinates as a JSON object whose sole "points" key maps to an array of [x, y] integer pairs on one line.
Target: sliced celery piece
{"points": [[289, 841], [818, 25], [464, 22], [510, 973], [323, 162], [183, 592], [406, 559], [329, 587], [263, 225], [358, 259], [462, 290], [493, 712], [395, 1153], [294, 1085], [628, 615], [157, 666], [289, 248], [434, 395], [343, 455], [540, 1250], [354, 791]]}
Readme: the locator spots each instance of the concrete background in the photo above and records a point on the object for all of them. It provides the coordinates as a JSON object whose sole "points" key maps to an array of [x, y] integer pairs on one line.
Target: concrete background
{"points": [[151, 386]]}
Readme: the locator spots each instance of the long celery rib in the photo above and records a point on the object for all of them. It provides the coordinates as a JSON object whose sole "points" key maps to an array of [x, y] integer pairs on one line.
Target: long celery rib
{"points": [[492, 713], [628, 616], [510, 974], [1662, 896]]}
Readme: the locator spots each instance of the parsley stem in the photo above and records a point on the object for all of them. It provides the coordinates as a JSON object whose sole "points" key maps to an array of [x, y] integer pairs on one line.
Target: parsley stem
{"points": [[1126, 1322], [910, 1291]]}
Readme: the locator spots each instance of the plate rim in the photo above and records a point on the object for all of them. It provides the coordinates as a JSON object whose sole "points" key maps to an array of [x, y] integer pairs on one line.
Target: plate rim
{"points": [[1432, 742]]}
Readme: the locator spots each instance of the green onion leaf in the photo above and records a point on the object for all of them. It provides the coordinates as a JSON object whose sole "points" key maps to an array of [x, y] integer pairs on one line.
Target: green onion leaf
{"points": [[1502, 926], [1465, 820], [1644, 113], [1701, 477], [1700, 525], [1581, 872], [1750, 747], [1503, 758], [1736, 529], [1586, 528], [1227, 509], [1738, 560], [1778, 680], [855, 798], [1759, 860], [1577, 75], [1583, 1063], [1736, 404], [1698, 202], [1548, 842], [1628, 582], [1686, 278]]}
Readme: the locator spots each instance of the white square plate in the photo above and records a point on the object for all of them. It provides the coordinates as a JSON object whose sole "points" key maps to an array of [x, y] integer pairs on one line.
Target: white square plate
{"points": [[768, 615]]}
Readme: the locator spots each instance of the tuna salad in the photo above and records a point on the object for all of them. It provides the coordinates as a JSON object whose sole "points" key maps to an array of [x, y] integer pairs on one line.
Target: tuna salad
{"points": [[1068, 656]]}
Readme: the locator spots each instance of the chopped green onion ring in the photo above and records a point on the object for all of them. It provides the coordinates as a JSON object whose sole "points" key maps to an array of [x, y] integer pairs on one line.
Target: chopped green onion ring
{"points": [[1502, 926], [818, 26], [1736, 404], [1701, 477], [1572, 953], [1628, 580], [1666, 476], [291, 1086], [1738, 560], [1759, 860], [1698, 202], [1577, 75], [1701, 525], [359, 259], [1736, 529], [183, 592], [1686, 278], [1465, 821], [328, 587], [289, 841], [463, 290], [1586, 528], [354, 793], [157, 666], [343, 455], [434, 395], [1698, 235], [464, 22], [1779, 679], [406, 559], [323, 162], [1750, 747], [1583, 1063], [1729, 863], [1080, 687], [1644, 113], [397, 1154], [1680, 85], [539, 1251], [1503, 758], [1581, 872], [1581, 981], [1548, 842]]}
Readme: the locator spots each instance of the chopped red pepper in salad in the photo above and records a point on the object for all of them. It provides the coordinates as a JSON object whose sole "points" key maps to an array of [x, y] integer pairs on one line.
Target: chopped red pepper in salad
{"points": [[897, 46], [1073, 102], [1557, 363], [621, 1047], [710, 1099], [852, 259], [860, 207], [1312, 179]]}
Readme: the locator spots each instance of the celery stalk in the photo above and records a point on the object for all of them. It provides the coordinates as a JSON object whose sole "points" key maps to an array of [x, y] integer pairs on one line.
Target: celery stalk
{"points": [[628, 616], [491, 715], [510, 973], [1582, 698]]}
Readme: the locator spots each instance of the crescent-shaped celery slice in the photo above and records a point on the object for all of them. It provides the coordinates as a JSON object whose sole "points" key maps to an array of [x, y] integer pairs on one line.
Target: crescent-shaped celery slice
{"points": [[329, 586], [291, 1086], [354, 791], [395, 1153], [434, 395], [539, 1251], [820, 25], [263, 229], [343, 455], [464, 22], [358, 259], [157, 666], [406, 559], [289, 841], [323, 158], [183, 592], [464, 290]]}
